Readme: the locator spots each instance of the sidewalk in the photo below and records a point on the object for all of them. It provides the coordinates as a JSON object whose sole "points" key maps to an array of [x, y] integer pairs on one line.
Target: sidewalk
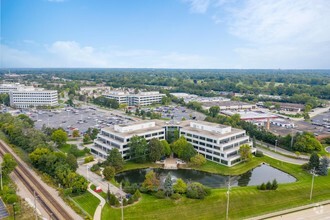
{"points": [[97, 180], [320, 210], [98, 211]]}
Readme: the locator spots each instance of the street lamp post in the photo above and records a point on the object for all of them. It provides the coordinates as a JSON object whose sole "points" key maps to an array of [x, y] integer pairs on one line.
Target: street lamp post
{"points": [[14, 210], [228, 192], [311, 194], [275, 144]]}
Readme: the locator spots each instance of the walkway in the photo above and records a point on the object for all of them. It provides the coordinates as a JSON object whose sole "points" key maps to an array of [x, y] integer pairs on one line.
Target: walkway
{"points": [[281, 153], [97, 180], [98, 211], [320, 211]]}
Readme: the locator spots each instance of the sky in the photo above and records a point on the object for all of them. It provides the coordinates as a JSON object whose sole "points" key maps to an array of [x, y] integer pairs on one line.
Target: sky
{"points": [[221, 34]]}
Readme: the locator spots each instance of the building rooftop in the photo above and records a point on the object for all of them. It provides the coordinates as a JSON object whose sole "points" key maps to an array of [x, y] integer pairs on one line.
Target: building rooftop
{"points": [[224, 103], [229, 131], [250, 115]]}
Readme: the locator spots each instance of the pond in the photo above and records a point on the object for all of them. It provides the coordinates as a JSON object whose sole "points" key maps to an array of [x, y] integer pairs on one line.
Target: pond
{"points": [[256, 176]]}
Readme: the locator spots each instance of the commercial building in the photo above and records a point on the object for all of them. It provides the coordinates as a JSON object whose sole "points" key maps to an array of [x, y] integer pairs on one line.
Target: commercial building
{"points": [[6, 88], [119, 136], [282, 123], [25, 98], [229, 105], [139, 99], [252, 116], [218, 143]]}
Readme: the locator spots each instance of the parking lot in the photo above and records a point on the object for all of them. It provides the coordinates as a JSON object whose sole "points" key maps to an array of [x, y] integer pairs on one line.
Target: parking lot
{"points": [[76, 118], [177, 113], [319, 125]]}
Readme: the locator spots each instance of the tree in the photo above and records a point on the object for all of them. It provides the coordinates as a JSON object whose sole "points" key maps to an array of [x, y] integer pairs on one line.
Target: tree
{"points": [[166, 147], [168, 185], [109, 172], [180, 186], [307, 142], [151, 182], [86, 139], [198, 160], [314, 161], [8, 164], [245, 152], [59, 137], [214, 111], [138, 149], [75, 133], [71, 160], [155, 149], [166, 100], [115, 159], [323, 168], [274, 185]]}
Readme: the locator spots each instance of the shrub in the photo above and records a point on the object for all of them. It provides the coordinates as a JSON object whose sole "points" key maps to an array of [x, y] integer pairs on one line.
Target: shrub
{"points": [[268, 185], [95, 168], [88, 159], [130, 200], [196, 191], [305, 166], [175, 196], [136, 195], [262, 186], [259, 153], [160, 194]]}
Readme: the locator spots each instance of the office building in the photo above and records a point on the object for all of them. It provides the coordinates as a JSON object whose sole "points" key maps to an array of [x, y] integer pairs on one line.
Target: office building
{"points": [[218, 143], [26, 98], [139, 99]]}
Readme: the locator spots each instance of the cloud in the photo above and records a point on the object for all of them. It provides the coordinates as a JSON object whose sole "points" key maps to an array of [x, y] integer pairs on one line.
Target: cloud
{"points": [[198, 6], [282, 34], [72, 54], [276, 21], [11, 57]]}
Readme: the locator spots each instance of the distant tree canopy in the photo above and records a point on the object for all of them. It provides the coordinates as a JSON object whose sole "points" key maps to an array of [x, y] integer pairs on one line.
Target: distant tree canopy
{"points": [[106, 102]]}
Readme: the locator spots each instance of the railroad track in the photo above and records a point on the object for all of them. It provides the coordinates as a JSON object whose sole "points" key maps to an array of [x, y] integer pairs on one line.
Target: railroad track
{"points": [[49, 203]]}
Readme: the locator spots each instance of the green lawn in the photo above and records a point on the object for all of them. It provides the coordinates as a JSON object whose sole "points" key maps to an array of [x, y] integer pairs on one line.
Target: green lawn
{"points": [[244, 201], [65, 148], [88, 202]]}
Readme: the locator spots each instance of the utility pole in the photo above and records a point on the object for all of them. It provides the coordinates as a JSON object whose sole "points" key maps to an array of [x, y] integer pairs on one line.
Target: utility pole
{"points": [[275, 144], [35, 204], [1, 175], [313, 172], [122, 202], [228, 192]]}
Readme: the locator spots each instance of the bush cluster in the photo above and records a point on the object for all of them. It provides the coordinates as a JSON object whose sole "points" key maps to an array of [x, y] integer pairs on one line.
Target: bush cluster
{"points": [[268, 185]]}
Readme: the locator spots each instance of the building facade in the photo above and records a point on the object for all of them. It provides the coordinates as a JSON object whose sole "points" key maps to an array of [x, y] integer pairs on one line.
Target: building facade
{"points": [[218, 143], [120, 135], [139, 99], [26, 98]]}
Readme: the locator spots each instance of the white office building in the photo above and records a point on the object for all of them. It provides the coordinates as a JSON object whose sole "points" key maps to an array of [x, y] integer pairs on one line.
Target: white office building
{"points": [[120, 135], [6, 88], [218, 143], [26, 98], [139, 99]]}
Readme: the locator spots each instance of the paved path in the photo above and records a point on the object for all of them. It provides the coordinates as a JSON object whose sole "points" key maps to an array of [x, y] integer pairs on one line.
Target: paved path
{"points": [[281, 150], [97, 180], [98, 211], [319, 211], [280, 157]]}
